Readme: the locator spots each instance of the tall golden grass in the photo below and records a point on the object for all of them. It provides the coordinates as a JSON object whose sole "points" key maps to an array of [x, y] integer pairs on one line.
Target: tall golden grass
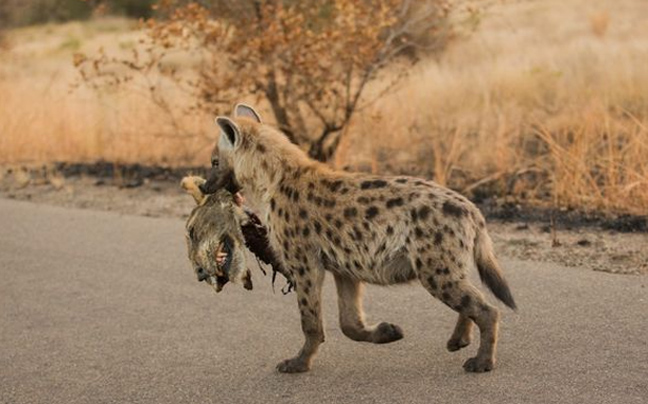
{"points": [[542, 103], [45, 116], [546, 102]]}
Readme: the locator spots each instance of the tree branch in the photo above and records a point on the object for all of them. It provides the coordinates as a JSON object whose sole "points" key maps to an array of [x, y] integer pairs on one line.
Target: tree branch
{"points": [[279, 111]]}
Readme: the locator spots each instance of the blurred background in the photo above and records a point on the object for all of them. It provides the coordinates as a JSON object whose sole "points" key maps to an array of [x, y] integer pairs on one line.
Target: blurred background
{"points": [[542, 102]]}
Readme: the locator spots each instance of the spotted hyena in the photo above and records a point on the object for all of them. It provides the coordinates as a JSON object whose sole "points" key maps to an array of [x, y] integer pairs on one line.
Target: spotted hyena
{"points": [[363, 229]]}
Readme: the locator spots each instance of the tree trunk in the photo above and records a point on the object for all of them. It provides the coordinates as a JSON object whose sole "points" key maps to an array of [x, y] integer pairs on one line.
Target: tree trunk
{"points": [[278, 110], [321, 152]]}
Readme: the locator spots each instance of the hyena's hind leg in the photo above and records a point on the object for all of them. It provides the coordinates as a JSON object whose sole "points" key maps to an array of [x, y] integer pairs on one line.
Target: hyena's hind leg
{"points": [[352, 320], [462, 335], [468, 301]]}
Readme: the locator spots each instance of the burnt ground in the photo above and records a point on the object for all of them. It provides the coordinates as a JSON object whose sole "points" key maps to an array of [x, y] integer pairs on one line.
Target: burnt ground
{"points": [[609, 243]]}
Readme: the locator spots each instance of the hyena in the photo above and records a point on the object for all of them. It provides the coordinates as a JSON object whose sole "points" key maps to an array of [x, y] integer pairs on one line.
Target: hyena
{"points": [[363, 229]]}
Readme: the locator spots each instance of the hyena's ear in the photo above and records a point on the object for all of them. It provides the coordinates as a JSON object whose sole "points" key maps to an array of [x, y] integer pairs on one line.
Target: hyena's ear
{"points": [[192, 185], [246, 111], [230, 134]]}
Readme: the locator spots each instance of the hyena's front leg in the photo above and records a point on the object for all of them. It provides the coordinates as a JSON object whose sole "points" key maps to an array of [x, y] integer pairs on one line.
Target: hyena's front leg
{"points": [[352, 316], [309, 292]]}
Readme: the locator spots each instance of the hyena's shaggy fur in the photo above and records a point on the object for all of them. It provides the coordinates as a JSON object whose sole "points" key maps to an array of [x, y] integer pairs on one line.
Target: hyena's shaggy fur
{"points": [[363, 228]]}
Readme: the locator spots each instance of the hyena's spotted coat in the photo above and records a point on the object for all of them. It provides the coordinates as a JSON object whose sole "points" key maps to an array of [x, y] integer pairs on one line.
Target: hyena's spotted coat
{"points": [[363, 228]]}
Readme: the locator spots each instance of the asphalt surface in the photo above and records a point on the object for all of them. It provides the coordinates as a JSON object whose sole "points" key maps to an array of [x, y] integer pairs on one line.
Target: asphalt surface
{"points": [[102, 308]]}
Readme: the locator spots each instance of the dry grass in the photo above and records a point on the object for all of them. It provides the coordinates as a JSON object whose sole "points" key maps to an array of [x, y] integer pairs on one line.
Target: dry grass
{"points": [[547, 102], [43, 118], [537, 105]]}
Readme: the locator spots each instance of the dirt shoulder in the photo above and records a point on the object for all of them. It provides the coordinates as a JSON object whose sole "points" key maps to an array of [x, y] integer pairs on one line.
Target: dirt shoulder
{"points": [[572, 240]]}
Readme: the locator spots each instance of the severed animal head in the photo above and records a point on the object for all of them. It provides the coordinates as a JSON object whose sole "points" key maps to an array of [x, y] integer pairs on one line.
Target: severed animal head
{"points": [[214, 238]]}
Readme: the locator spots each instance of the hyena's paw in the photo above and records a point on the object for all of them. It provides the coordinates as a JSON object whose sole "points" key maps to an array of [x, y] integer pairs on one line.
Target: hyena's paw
{"points": [[455, 344], [293, 365], [479, 365], [386, 332]]}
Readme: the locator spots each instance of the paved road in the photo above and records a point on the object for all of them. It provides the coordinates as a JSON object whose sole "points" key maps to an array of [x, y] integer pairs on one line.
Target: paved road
{"points": [[103, 308]]}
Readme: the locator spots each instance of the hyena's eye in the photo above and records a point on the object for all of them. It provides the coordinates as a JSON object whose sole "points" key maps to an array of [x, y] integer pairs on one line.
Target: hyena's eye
{"points": [[192, 234], [214, 163]]}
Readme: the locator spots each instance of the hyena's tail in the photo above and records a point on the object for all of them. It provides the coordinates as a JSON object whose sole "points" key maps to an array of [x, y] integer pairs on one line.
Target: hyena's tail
{"points": [[489, 270]]}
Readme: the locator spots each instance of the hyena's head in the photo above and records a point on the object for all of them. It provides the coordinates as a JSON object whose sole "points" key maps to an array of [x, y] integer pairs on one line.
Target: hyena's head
{"points": [[214, 238], [236, 135], [250, 154]]}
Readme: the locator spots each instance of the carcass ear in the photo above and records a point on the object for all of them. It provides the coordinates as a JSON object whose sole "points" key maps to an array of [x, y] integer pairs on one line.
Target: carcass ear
{"points": [[192, 185], [246, 111], [230, 134]]}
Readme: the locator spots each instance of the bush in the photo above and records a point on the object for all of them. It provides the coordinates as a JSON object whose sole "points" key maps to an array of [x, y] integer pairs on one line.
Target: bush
{"points": [[310, 61]]}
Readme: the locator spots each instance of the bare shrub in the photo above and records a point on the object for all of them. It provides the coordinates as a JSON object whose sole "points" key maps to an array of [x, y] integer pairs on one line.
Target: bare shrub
{"points": [[311, 61]]}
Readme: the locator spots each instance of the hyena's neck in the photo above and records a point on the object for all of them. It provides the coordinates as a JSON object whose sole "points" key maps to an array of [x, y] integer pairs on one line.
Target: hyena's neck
{"points": [[265, 176]]}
